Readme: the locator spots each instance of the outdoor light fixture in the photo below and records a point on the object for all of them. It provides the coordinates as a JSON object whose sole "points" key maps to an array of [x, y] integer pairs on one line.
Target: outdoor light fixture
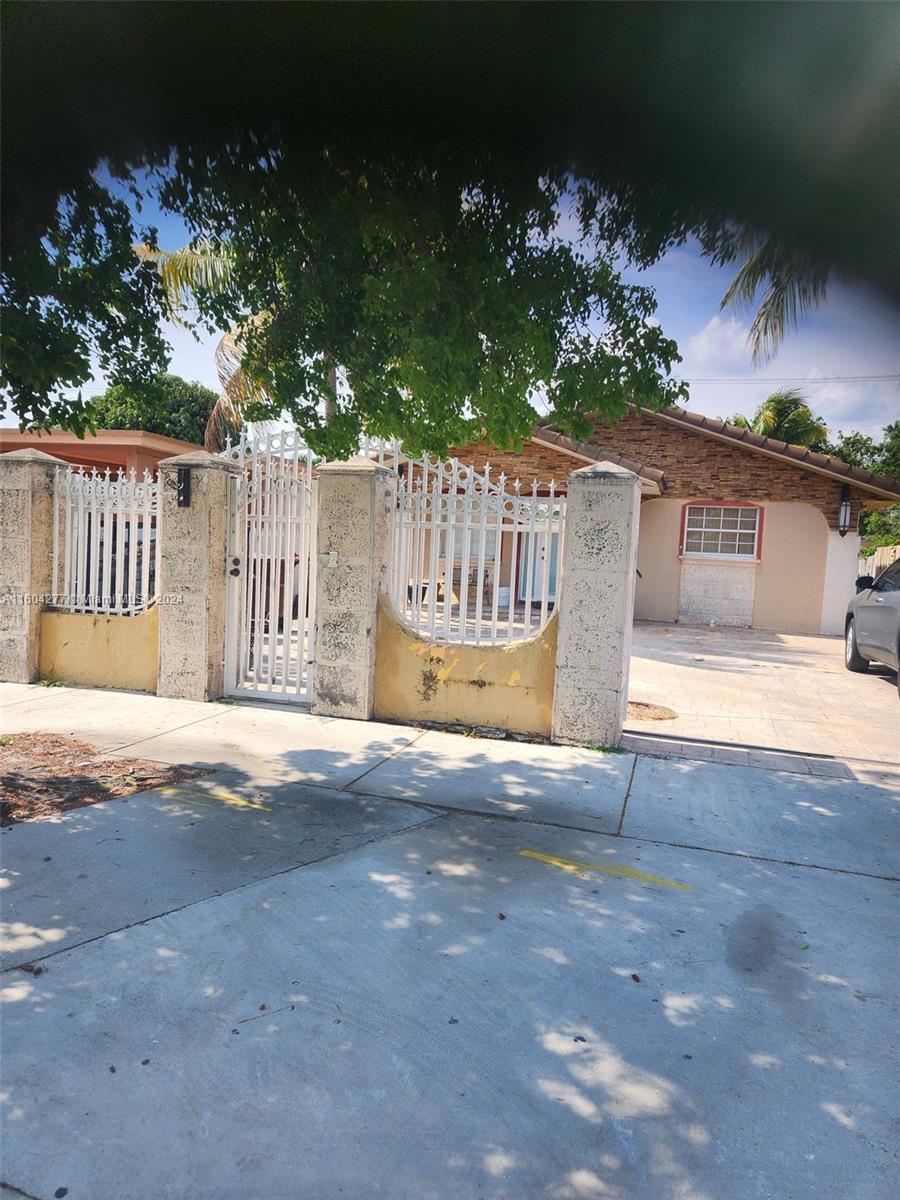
{"points": [[844, 510]]}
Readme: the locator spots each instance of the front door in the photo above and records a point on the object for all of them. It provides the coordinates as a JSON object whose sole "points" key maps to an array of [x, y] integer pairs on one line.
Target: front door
{"points": [[537, 548]]}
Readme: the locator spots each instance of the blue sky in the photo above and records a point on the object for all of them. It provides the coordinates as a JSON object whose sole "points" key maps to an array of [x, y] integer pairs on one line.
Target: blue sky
{"points": [[855, 334]]}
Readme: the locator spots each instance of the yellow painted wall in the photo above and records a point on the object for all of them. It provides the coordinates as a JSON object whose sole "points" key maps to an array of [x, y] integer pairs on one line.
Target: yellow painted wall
{"points": [[100, 651], [507, 687]]}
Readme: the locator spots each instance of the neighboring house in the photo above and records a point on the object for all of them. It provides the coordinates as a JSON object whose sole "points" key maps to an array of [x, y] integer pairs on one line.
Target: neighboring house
{"points": [[114, 448], [736, 529]]}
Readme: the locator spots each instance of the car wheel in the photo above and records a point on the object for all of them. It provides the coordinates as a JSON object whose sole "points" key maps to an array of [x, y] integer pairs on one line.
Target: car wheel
{"points": [[853, 660]]}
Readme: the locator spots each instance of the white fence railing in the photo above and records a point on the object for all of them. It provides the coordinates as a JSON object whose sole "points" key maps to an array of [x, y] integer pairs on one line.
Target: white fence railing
{"points": [[104, 540], [474, 560]]}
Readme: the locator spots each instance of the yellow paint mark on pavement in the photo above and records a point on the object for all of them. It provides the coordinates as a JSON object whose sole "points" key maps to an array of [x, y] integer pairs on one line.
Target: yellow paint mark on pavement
{"points": [[617, 869], [189, 796]]}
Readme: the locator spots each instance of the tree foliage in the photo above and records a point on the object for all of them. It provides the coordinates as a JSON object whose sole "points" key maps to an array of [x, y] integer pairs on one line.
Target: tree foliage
{"points": [[428, 298], [786, 417], [882, 526], [77, 301], [166, 404], [861, 450], [879, 528], [492, 97]]}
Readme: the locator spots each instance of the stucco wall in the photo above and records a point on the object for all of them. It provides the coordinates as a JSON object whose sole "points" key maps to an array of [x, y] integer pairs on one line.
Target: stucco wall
{"points": [[656, 596], [100, 651], [841, 570], [504, 686], [791, 573], [788, 584]]}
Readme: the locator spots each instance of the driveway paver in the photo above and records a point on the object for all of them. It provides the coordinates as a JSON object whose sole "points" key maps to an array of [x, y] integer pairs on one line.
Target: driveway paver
{"points": [[747, 687]]}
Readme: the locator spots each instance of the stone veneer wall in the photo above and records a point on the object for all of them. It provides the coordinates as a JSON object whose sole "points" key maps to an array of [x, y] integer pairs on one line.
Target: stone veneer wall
{"points": [[695, 465]]}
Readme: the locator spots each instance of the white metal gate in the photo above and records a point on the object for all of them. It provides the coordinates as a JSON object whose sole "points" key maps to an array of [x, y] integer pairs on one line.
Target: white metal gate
{"points": [[270, 617]]}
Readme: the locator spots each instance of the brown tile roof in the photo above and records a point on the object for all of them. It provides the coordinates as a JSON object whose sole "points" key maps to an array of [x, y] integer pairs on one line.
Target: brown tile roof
{"points": [[801, 455], [552, 437]]}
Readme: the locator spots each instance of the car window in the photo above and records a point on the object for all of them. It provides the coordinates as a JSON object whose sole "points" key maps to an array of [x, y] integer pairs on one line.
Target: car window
{"points": [[889, 581]]}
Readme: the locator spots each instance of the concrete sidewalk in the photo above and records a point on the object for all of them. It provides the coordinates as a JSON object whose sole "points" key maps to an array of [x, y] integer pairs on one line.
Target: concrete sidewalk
{"points": [[362, 960]]}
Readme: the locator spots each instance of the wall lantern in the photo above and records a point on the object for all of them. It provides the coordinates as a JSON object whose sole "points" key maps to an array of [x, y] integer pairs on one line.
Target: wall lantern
{"points": [[844, 511]]}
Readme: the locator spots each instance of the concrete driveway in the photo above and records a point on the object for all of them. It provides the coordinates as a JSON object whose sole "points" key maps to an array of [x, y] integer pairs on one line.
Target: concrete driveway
{"points": [[362, 961], [740, 691]]}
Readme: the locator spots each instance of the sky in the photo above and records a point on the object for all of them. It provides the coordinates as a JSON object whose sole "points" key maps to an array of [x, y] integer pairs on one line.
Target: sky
{"points": [[854, 335]]}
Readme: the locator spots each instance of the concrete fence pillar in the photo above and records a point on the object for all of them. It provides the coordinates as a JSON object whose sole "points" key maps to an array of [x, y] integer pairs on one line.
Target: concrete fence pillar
{"points": [[596, 607], [192, 577], [353, 531], [26, 558]]}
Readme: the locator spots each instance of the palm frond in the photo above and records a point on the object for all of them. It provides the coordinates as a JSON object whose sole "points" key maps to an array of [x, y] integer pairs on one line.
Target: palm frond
{"points": [[238, 390], [203, 265], [792, 284], [786, 416]]}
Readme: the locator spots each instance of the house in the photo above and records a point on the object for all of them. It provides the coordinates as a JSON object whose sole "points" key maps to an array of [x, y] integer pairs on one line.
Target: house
{"points": [[735, 528], [118, 449]]}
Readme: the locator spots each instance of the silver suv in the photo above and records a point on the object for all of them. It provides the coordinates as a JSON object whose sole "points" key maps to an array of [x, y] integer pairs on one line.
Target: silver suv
{"points": [[872, 628]]}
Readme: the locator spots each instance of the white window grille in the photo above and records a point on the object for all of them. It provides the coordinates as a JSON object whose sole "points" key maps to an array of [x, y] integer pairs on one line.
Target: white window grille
{"points": [[721, 531], [473, 560], [105, 547]]}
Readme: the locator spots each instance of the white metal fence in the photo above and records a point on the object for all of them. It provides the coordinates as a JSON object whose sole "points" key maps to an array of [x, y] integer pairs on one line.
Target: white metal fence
{"points": [[105, 548], [472, 559]]}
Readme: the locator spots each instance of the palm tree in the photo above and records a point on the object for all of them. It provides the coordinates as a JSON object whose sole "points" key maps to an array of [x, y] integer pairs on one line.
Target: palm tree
{"points": [[209, 266], [786, 417], [793, 283]]}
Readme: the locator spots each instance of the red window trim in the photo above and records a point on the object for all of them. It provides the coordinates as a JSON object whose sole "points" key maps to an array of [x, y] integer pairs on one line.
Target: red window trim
{"points": [[715, 503]]}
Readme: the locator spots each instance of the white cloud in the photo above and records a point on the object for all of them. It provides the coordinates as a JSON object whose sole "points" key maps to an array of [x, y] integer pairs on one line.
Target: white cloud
{"points": [[721, 345]]}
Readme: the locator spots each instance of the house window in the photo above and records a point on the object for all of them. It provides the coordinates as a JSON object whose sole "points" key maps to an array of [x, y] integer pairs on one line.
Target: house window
{"points": [[721, 531]]}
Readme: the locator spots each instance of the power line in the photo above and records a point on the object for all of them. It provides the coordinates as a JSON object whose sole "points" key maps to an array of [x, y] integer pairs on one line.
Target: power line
{"points": [[806, 380]]}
